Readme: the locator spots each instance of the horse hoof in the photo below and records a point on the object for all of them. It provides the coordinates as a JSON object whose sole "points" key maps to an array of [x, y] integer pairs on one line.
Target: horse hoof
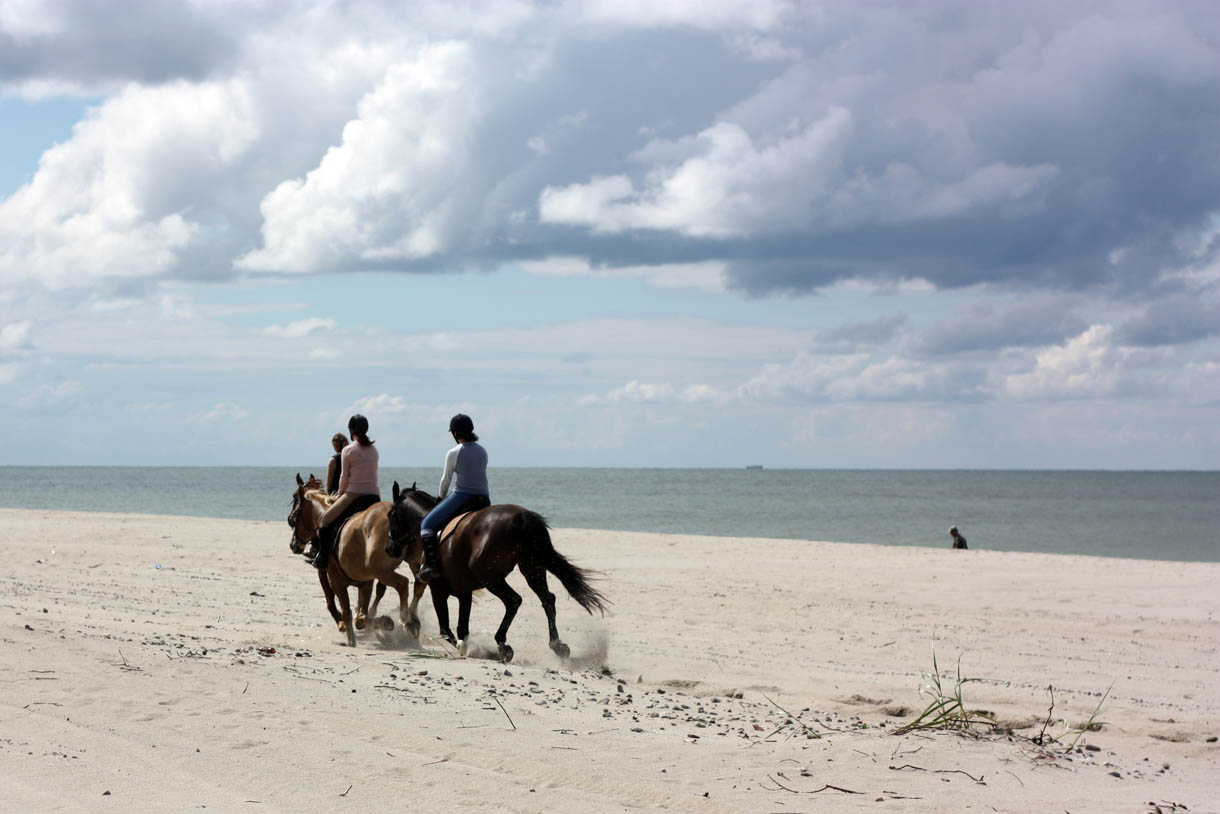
{"points": [[461, 646], [412, 629], [342, 627], [561, 649], [361, 623], [506, 653], [385, 623]]}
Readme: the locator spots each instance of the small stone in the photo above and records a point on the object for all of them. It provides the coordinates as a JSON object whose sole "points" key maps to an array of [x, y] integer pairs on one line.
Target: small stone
{"points": [[1090, 747], [106, 793], [1116, 774]]}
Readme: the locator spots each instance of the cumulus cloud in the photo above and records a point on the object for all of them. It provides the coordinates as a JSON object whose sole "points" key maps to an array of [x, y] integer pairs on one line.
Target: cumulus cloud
{"points": [[1088, 365], [794, 145]]}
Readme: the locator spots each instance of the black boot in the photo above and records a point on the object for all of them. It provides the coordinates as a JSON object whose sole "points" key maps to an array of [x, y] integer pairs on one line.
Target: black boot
{"points": [[432, 559], [323, 543]]}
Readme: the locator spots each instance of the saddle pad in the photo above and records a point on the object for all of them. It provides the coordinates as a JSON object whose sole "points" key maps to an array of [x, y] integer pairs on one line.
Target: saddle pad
{"points": [[453, 524]]}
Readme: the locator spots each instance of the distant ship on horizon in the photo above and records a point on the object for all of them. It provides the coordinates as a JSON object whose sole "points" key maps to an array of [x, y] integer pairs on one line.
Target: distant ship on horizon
{"points": [[754, 466]]}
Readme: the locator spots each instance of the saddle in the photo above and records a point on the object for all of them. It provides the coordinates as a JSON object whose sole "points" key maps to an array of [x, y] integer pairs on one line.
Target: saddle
{"points": [[357, 506], [472, 506]]}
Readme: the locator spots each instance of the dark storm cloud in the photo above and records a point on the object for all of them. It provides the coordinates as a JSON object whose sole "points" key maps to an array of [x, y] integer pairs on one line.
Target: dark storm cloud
{"points": [[140, 41], [1172, 322], [1117, 108], [1039, 320]]}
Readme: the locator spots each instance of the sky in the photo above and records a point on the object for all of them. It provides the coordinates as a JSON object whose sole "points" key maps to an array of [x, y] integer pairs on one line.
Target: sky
{"points": [[614, 232]]}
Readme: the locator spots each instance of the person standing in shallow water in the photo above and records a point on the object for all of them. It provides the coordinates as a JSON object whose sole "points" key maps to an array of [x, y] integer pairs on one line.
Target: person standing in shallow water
{"points": [[468, 463], [357, 486], [958, 540], [335, 467]]}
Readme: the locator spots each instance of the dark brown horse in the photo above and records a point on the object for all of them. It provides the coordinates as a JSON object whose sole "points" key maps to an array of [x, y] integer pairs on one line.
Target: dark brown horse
{"points": [[481, 551], [360, 557]]}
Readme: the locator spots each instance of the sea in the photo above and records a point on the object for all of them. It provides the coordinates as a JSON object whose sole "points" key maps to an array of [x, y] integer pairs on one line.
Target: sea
{"points": [[1141, 515]]}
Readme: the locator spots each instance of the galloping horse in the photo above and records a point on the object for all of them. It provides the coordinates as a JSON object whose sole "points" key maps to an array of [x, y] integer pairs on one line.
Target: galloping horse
{"points": [[298, 547], [360, 556], [481, 551]]}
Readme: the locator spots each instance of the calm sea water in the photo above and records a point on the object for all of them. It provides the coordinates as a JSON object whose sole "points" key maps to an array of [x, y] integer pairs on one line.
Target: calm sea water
{"points": [[1146, 515]]}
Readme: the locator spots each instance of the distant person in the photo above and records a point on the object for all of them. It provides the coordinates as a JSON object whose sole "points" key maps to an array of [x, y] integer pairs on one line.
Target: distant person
{"points": [[357, 486], [468, 461], [339, 441], [958, 540]]}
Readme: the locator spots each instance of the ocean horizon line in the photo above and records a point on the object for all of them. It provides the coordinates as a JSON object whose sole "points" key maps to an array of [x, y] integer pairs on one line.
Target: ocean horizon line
{"points": [[749, 467]]}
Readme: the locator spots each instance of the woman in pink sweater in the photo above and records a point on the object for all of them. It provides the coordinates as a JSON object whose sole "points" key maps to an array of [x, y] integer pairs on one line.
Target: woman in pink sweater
{"points": [[357, 486]]}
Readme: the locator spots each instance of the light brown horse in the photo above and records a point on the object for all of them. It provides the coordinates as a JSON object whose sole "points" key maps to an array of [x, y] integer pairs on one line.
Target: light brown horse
{"points": [[481, 551], [363, 612], [359, 557]]}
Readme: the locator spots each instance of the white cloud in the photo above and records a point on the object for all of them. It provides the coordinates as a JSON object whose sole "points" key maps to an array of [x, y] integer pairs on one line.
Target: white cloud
{"points": [[303, 327], [636, 391], [387, 191], [379, 405], [730, 187], [325, 354], [114, 201], [1088, 365]]}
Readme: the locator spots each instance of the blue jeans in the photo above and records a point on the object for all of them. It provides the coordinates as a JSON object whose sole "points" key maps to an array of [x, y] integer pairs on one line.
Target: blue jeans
{"points": [[447, 509]]}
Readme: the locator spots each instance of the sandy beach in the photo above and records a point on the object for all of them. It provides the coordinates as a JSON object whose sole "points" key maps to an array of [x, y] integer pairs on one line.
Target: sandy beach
{"points": [[171, 664]]}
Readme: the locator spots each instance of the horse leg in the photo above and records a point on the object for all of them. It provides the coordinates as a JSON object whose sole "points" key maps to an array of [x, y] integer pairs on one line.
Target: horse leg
{"points": [[364, 592], [535, 577], [403, 586], [440, 604], [412, 624], [377, 598], [345, 602], [464, 602], [329, 593], [512, 601]]}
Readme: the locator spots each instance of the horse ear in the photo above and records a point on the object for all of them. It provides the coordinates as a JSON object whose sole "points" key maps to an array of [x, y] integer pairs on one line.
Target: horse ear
{"points": [[299, 481], [413, 485], [396, 491]]}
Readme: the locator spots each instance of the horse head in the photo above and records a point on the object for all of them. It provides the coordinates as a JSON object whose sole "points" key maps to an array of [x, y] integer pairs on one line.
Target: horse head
{"points": [[302, 518], [404, 520]]}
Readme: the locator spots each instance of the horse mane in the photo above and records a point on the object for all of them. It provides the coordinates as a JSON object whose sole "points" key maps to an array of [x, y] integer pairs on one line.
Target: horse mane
{"points": [[419, 500], [319, 495]]}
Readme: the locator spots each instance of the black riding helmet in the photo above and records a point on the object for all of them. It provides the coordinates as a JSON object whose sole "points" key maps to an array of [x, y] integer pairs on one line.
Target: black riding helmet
{"points": [[461, 424], [358, 425]]}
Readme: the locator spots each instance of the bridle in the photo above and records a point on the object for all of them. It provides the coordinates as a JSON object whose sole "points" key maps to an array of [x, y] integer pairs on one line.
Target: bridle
{"points": [[294, 521]]}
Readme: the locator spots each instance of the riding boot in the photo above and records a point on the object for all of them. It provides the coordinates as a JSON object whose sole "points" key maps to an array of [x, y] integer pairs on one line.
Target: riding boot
{"points": [[325, 541], [432, 558]]}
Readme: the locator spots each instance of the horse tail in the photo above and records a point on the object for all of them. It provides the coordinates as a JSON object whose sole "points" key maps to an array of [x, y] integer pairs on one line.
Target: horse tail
{"points": [[576, 580]]}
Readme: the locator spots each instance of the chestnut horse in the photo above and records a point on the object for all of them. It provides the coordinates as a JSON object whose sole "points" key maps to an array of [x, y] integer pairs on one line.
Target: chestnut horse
{"points": [[359, 556], [481, 551], [298, 547]]}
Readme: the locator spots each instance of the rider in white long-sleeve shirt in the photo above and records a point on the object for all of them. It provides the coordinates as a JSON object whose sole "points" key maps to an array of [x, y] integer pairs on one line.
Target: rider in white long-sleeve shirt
{"points": [[468, 463]]}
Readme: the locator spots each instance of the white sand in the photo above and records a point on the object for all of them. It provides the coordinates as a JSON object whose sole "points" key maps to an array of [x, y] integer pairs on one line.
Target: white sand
{"points": [[130, 664]]}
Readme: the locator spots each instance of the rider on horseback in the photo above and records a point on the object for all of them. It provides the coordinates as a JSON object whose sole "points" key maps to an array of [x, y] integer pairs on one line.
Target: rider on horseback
{"points": [[468, 460], [357, 486]]}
